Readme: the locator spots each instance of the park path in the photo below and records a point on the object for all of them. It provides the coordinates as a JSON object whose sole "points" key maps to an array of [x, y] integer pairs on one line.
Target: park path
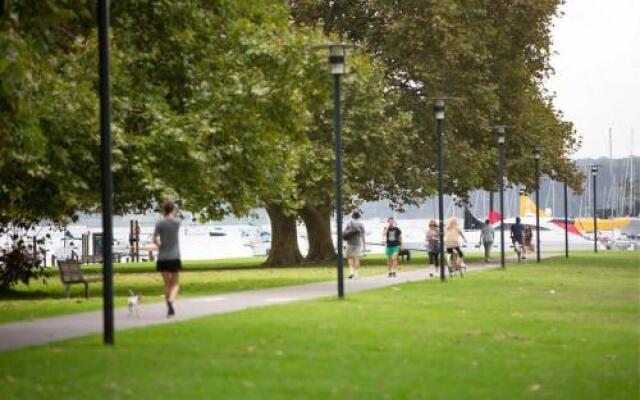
{"points": [[28, 333]]}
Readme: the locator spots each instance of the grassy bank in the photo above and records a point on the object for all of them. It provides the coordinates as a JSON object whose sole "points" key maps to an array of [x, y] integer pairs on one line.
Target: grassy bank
{"points": [[558, 330]]}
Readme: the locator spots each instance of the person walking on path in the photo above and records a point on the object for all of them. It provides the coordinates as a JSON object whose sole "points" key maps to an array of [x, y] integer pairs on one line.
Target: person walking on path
{"points": [[392, 236], [165, 236], [528, 238], [517, 237], [355, 244], [433, 243], [452, 239], [486, 239]]}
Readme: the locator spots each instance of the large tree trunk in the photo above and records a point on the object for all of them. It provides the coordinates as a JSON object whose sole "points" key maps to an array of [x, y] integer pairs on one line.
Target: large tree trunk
{"points": [[318, 223], [284, 239]]}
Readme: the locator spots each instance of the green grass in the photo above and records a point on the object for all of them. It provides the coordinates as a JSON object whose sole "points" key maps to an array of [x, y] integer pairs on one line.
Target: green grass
{"points": [[45, 299], [559, 330]]}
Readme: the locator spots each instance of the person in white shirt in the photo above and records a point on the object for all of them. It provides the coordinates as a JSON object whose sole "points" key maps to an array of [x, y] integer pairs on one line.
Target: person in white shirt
{"points": [[355, 245], [453, 238]]}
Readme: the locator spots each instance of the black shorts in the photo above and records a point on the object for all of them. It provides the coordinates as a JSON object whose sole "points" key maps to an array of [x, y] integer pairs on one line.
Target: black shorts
{"points": [[168, 265]]}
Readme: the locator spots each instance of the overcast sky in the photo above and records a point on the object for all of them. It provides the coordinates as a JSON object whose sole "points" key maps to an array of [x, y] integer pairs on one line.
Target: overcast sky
{"points": [[597, 79]]}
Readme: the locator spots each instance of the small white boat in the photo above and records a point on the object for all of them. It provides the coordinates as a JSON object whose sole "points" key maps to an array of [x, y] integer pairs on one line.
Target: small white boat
{"points": [[217, 231]]}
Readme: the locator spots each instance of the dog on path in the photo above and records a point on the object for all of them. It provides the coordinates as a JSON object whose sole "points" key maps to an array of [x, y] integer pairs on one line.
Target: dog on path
{"points": [[134, 301]]}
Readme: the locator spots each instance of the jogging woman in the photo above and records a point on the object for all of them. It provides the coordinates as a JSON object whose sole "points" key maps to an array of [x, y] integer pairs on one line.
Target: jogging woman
{"points": [[169, 265]]}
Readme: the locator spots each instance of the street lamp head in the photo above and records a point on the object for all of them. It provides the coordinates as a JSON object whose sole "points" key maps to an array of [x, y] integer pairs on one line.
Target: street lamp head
{"points": [[501, 130], [438, 109], [337, 58], [536, 153]]}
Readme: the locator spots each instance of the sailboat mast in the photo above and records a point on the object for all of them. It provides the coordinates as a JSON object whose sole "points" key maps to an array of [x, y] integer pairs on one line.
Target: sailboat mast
{"points": [[610, 194], [632, 203]]}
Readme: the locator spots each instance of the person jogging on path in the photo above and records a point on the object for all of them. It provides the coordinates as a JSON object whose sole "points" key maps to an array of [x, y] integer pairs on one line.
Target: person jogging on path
{"points": [[165, 236], [392, 236], [355, 245], [486, 239]]}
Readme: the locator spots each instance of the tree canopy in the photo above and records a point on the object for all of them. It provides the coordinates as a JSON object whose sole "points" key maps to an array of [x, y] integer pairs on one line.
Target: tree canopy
{"points": [[206, 98], [491, 56]]}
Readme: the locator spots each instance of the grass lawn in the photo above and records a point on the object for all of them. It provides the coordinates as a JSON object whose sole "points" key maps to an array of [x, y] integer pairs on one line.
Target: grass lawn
{"points": [[199, 278], [558, 330]]}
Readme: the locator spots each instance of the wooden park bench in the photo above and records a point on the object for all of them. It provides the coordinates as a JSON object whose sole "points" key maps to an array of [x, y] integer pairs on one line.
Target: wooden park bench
{"points": [[91, 259], [71, 274]]}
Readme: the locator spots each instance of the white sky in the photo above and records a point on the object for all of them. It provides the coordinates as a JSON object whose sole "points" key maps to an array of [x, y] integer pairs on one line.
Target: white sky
{"points": [[597, 78]]}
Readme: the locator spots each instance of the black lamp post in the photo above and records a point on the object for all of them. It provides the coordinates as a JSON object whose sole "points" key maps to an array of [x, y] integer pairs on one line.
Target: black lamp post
{"points": [[536, 157], [438, 109], [501, 130], [594, 174], [337, 63], [107, 177]]}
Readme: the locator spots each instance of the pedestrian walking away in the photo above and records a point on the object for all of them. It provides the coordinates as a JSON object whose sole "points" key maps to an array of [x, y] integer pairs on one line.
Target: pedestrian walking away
{"points": [[354, 235], [528, 239], [453, 238], [486, 239], [517, 237], [392, 237], [432, 242], [165, 236]]}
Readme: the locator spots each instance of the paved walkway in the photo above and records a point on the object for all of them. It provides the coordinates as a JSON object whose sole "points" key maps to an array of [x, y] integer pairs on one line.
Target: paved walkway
{"points": [[29, 333]]}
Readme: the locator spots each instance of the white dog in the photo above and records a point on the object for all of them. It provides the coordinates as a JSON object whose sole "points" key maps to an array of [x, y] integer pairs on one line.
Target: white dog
{"points": [[134, 301]]}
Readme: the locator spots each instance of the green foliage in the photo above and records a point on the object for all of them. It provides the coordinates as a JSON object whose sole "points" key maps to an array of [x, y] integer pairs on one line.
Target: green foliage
{"points": [[492, 56], [218, 98], [48, 135], [20, 263], [207, 106]]}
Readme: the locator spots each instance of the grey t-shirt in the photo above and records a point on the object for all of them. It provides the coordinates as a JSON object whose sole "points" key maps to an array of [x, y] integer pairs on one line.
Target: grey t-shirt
{"points": [[486, 233], [356, 240], [167, 229]]}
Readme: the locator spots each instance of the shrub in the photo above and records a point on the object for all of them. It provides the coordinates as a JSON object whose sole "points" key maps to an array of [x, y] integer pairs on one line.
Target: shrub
{"points": [[20, 262]]}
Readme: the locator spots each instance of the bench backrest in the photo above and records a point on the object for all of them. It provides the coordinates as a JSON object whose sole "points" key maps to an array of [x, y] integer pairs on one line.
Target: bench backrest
{"points": [[70, 271]]}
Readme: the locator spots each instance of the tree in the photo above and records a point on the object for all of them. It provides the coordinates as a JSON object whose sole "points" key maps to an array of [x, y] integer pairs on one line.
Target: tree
{"points": [[370, 124], [219, 84], [46, 122], [202, 94], [373, 129], [492, 55]]}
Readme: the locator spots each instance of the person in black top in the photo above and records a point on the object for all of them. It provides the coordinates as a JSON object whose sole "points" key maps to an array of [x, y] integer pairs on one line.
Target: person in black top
{"points": [[392, 236], [517, 234]]}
